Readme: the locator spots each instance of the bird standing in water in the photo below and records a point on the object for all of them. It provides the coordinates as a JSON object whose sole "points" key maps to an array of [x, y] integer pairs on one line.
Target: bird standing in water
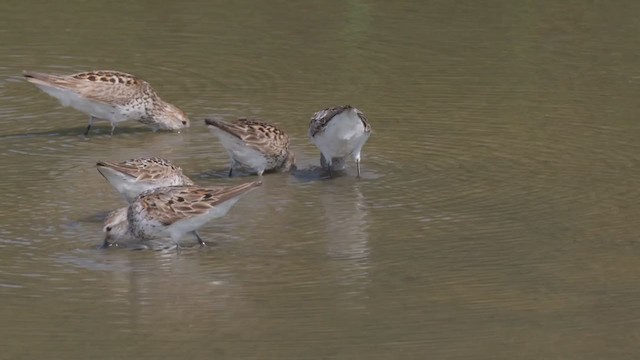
{"points": [[113, 96]]}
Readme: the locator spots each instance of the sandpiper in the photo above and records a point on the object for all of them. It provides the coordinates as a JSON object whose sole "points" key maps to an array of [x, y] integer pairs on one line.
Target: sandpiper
{"points": [[173, 212], [114, 218], [113, 96], [339, 132], [135, 176], [254, 144]]}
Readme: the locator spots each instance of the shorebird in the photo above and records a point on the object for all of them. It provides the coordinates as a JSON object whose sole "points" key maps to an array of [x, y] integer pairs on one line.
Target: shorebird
{"points": [[254, 144], [135, 176], [114, 219], [113, 96], [339, 132], [172, 212]]}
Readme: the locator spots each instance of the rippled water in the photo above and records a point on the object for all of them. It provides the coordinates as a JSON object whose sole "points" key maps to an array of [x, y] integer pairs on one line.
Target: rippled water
{"points": [[495, 218]]}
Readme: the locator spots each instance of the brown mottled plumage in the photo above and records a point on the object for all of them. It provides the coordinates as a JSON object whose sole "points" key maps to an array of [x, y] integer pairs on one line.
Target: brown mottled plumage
{"points": [[320, 119], [254, 144], [174, 211], [111, 95], [135, 176]]}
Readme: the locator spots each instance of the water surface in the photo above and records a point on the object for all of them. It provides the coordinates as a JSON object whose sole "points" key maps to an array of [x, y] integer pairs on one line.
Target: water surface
{"points": [[496, 216]]}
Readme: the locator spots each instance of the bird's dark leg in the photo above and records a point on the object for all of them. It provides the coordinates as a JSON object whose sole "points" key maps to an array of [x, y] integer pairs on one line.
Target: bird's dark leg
{"points": [[324, 163], [200, 241], [358, 167], [86, 133], [231, 167]]}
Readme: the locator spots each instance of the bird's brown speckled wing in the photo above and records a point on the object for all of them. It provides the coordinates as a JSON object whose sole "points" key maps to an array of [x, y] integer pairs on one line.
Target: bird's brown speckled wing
{"points": [[256, 134], [171, 204], [365, 121], [146, 169], [320, 119], [105, 86]]}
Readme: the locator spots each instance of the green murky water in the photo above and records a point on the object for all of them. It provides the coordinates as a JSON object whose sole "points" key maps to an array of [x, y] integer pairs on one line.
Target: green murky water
{"points": [[496, 217]]}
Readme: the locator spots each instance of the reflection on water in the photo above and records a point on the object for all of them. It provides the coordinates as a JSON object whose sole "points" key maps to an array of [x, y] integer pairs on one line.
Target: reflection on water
{"points": [[346, 230], [494, 219]]}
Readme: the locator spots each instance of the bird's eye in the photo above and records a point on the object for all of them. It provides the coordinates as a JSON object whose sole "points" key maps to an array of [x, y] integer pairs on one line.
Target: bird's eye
{"points": [[184, 122], [108, 228]]}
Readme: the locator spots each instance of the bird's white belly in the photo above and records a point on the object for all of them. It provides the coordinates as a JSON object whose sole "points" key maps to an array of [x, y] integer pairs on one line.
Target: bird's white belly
{"points": [[96, 109], [241, 153], [341, 137], [179, 228], [126, 185]]}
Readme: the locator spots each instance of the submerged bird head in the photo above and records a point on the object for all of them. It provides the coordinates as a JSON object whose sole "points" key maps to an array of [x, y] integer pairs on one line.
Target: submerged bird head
{"points": [[116, 227], [118, 232], [168, 117]]}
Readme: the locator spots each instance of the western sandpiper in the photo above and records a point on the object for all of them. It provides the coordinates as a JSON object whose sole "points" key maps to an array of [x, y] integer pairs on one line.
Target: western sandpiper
{"points": [[173, 212], [254, 144], [114, 218], [339, 132], [135, 176], [117, 219], [113, 96]]}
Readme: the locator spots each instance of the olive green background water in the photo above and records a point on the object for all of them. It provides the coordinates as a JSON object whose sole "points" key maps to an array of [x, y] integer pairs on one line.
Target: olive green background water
{"points": [[496, 217]]}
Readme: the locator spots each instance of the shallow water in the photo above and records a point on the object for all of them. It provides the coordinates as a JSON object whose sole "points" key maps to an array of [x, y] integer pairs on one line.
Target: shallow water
{"points": [[495, 218]]}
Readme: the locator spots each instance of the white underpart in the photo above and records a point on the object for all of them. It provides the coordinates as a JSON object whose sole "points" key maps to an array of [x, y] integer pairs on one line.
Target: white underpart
{"points": [[98, 110], [344, 135], [126, 185], [178, 229], [239, 152]]}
